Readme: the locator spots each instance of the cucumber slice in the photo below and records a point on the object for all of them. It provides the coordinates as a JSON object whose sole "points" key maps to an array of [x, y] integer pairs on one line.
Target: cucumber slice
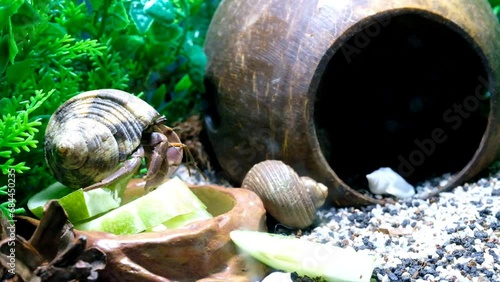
{"points": [[182, 220], [185, 219], [290, 254], [79, 205], [54, 191], [171, 199]]}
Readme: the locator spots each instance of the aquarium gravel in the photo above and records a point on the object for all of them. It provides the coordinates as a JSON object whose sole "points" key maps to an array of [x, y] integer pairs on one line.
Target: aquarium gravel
{"points": [[452, 237]]}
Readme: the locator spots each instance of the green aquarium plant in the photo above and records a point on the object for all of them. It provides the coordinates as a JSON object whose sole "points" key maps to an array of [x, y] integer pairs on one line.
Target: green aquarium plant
{"points": [[495, 4], [53, 50], [17, 134]]}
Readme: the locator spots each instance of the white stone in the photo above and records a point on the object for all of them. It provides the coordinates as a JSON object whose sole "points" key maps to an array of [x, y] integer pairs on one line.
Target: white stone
{"points": [[278, 277], [387, 181]]}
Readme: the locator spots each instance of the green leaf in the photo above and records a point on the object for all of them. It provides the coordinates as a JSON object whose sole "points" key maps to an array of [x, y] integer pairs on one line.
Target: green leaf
{"points": [[13, 50], [4, 53], [53, 30], [159, 95], [183, 85], [7, 9], [166, 33], [5, 154], [119, 18], [140, 18], [25, 16], [194, 6], [47, 82], [494, 2], [5, 104], [19, 71], [161, 10], [129, 45], [96, 4], [73, 17], [9, 164], [197, 64]]}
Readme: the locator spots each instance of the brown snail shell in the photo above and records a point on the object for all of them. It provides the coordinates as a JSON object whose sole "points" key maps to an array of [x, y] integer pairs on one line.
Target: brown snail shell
{"points": [[291, 199]]}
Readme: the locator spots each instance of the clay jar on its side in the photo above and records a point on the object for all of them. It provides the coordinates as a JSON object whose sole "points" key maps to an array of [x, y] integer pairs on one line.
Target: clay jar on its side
{"points": [[338, 89]]}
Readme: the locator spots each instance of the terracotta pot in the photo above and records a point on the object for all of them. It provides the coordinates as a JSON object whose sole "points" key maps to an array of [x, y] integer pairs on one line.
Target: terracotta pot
{"points": [[338, 89], [201, 251]]}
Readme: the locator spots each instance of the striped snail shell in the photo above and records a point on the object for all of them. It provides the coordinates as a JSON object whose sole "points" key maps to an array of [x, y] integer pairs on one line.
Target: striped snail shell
{"points": [[290, 199], [91, 134]]}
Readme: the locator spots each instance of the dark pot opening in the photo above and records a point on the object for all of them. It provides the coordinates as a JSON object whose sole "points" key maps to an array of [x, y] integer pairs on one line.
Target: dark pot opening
{"points": [[211, 114], [410, 91]]}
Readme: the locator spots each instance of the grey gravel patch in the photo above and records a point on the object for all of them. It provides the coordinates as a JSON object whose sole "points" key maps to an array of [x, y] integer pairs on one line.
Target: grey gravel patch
{"points": [[194, 177], [453, 237]]}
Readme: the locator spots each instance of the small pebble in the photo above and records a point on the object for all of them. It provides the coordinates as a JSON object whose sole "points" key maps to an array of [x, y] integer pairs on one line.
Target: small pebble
{"points": [[278, 277]]}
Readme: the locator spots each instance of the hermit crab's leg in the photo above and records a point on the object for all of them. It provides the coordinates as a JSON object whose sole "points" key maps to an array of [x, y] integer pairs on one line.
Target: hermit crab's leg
{"points": [[174, 142], [162, 160], [130, 166], [189, 158]]}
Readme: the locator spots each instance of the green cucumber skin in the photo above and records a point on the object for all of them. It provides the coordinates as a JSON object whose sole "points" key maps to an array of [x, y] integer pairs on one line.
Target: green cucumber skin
{"points": [[290, 254]]}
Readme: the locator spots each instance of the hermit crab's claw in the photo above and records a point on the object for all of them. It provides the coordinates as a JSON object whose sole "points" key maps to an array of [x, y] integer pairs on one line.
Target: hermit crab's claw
{"points": [[174, 157], [164, 154]]}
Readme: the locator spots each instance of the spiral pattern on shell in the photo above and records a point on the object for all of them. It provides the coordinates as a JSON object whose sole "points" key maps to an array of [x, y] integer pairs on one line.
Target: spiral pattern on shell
{"points": [[290, 199], [92, 133]]}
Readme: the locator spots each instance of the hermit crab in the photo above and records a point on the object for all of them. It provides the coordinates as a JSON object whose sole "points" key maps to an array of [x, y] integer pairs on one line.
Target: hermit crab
{"points": [[100, 137]]}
